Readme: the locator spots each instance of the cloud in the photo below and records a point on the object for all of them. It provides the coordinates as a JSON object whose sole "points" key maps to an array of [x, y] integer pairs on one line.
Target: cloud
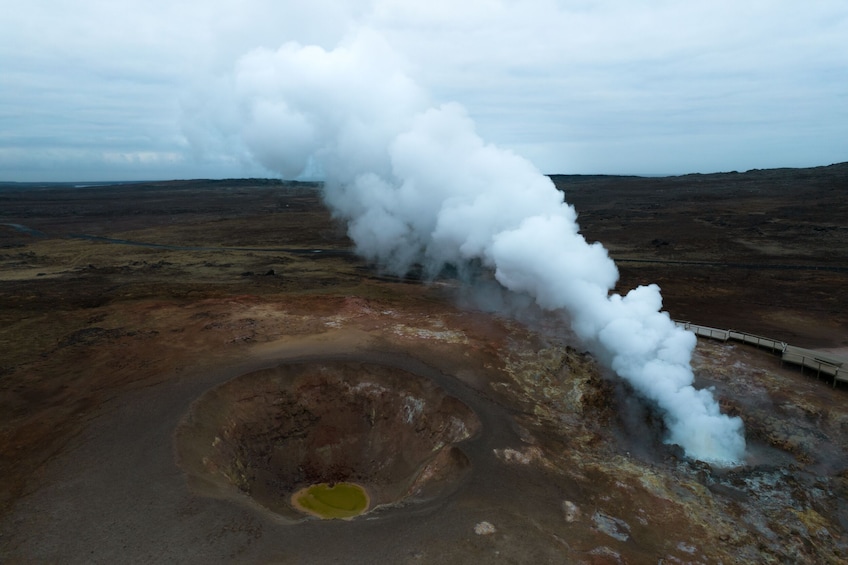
{"points": [[576, 86]]}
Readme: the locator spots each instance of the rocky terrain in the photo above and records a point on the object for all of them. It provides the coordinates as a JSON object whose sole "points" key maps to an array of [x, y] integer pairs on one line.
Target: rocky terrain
{"points": [[761, 252], [178, 358]]}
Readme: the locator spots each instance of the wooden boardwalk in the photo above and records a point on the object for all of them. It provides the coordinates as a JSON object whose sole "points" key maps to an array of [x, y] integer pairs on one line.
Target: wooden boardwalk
{"points": [[826, 364]]}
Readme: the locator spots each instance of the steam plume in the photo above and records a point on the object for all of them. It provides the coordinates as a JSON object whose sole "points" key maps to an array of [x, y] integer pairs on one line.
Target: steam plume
{"points": [[417, 184]]}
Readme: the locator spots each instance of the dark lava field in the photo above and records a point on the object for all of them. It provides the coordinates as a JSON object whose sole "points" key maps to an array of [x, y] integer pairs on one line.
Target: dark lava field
{"points": [[179, 358]]}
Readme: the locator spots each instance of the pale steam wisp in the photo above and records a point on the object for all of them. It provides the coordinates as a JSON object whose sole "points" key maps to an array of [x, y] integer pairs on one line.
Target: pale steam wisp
{"points": [[417, 185]]}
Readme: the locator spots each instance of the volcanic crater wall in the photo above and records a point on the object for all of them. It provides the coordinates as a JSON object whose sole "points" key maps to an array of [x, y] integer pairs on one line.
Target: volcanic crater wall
{"points": [[271, 432]]}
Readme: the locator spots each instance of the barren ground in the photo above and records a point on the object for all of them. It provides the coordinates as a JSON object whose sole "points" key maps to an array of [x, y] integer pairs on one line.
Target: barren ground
{"points": [[108, 348]]}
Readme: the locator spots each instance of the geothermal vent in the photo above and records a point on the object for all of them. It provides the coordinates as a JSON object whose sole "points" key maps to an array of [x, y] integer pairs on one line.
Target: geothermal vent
{"points": [[276, 433]]}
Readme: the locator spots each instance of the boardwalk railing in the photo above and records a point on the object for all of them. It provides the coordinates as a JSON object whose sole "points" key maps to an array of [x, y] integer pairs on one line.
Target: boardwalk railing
{"points": [[823, 363]]}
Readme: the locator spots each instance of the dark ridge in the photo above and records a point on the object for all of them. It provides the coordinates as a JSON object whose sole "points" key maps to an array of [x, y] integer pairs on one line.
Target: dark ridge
{"points": [[190, 184], [835, 175]]}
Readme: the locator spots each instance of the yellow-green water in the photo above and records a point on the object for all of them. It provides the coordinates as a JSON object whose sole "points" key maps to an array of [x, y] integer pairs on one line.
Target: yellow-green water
{"points": [[340, 500]]}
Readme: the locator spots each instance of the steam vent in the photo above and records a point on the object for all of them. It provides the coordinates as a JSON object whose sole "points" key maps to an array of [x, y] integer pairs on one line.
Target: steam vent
{"points": [[333, 439]]}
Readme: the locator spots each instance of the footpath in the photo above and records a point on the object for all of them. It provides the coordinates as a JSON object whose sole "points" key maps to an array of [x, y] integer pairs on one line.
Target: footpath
{"points": [[822, 363]]}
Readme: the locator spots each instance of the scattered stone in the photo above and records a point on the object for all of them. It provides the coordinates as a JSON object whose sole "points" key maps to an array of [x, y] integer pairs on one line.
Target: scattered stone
{"points": [[524, 435], [686, 548], [484, 529], [606, 554], [524, 456], [571, 511], [613, 527]]}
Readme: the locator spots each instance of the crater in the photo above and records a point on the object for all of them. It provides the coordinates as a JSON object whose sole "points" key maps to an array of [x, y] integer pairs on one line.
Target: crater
{"points": [[278, 433]]}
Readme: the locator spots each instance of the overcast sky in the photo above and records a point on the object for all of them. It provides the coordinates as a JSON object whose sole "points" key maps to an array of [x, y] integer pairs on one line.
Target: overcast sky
{"points": [[109, 89]]}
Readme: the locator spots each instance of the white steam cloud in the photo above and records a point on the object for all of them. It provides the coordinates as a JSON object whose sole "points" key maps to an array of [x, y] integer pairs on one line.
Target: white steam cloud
{"points": [[417, 184]]}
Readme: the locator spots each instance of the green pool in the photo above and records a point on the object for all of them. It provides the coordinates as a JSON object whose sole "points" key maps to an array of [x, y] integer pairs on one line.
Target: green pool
{"points": [[325, 500]]}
